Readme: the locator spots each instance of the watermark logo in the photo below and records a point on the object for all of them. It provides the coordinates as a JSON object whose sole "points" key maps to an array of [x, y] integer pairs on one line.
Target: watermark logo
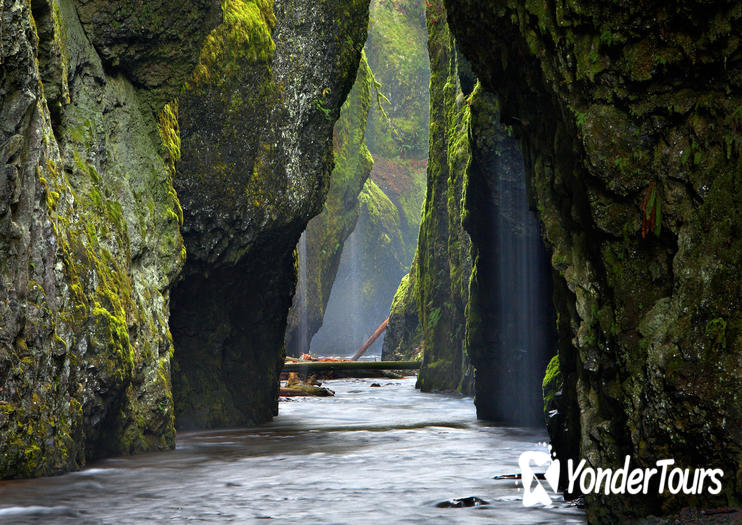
{"points": [[537, 494], [623, 480]]}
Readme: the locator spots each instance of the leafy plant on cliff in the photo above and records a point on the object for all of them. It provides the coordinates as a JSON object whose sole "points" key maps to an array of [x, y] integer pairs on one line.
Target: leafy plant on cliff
{"points": [[652, 211]]}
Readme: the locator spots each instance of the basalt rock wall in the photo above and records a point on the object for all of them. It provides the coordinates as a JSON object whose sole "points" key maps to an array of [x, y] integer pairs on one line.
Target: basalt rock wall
{"points": [[89, 225], [629, 116], [256, 123]]}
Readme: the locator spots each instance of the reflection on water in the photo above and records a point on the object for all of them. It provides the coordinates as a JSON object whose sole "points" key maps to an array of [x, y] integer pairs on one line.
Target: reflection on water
{"points": [[384, 454]]}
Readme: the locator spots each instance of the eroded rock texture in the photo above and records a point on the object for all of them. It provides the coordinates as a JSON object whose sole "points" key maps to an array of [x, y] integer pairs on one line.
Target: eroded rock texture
{"points": [[629, 118], [89, 240], [256, 123]]}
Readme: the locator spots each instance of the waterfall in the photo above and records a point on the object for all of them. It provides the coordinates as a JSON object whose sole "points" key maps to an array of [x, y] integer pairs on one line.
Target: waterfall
{"points": [[301, 293], [357, 290], [524, 328], [343, 329]]}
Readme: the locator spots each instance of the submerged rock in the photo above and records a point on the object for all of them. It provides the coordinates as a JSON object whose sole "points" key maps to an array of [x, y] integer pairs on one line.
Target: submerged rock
{"points": [[471, 501]]}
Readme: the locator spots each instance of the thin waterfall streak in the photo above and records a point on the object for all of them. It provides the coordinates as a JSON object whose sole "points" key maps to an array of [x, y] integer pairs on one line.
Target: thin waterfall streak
{"points": [[302, 292], [356, 298], [523, 331]]}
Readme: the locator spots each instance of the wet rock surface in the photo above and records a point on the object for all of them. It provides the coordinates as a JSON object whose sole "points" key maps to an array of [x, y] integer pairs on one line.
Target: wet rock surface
{"points": [[471, 501], [89, 233], [628, 117]]}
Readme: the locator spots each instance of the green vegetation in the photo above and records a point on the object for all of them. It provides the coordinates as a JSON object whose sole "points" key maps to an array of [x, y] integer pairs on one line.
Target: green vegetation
{"points": [[398, 57], [552, 382], [437, 286]]}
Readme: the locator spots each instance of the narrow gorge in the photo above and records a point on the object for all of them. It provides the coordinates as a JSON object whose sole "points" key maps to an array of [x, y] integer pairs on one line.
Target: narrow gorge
{"points": [[544, 199]]}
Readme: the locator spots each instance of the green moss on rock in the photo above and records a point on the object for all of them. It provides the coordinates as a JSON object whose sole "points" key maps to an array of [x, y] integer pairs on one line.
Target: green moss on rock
{"points": [[551, 384], [442, 267], [398, 57], [403, 340], [90, 243]]}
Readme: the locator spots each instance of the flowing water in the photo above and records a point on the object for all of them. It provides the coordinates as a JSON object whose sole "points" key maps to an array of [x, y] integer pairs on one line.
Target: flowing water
{"points": [[524, 329], [301, 292], [383, 454]]}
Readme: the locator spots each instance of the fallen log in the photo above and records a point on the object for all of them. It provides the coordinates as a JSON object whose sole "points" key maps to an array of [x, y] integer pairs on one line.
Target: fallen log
{"points": [[371, 340], [312, 366], [316, 391]]}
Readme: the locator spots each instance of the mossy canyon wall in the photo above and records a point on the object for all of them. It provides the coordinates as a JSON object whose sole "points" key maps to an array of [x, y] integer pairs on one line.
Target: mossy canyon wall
{"points": [[380, 248], [106, 110], [256, 121], [89, 227], [629, 119], [628, 116]]}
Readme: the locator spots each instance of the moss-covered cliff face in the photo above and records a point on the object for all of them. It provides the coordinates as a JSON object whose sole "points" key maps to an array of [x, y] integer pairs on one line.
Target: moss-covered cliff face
{"points": [[89, 228], [403, 337], [629, 119], [326, 233], [370, 267], [437, 286], [397, 53], [396, 136], [256, 121]]}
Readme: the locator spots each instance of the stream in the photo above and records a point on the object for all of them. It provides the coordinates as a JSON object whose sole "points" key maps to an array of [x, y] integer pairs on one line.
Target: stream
{"points": [[384, 454]]}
